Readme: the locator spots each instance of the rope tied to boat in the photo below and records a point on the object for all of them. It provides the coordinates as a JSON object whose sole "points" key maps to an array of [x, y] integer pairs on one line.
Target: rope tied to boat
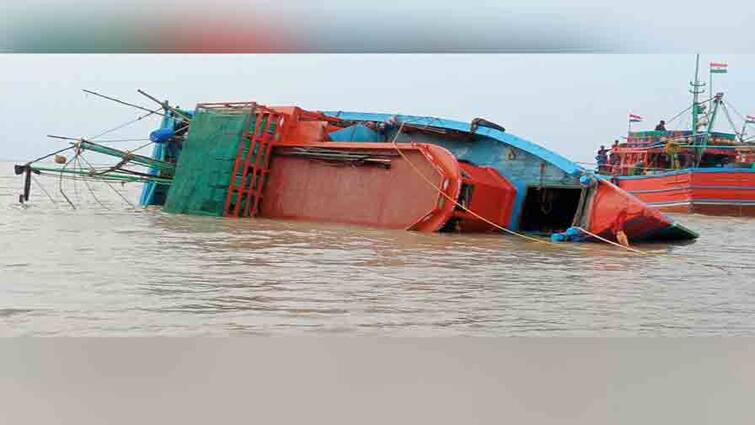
{"points": [[608, 241], [529, 238], [495, 225]]}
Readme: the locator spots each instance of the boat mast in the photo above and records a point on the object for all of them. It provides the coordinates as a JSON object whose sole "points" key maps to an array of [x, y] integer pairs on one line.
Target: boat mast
{"points": [[696, 89], [711, 119], [717, 100]]}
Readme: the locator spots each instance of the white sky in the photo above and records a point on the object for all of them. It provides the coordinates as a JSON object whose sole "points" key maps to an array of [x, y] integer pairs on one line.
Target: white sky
{"points": [[570, 103], [651, 26]]}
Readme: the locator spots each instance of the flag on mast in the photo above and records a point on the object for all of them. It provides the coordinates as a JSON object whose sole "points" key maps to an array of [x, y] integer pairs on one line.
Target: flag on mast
{"points": [[718, 68], [750, 119], [634, 117]]}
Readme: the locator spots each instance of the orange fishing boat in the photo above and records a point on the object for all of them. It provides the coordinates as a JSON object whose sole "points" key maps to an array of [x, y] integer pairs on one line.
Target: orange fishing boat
{"points": [[697, 170]]}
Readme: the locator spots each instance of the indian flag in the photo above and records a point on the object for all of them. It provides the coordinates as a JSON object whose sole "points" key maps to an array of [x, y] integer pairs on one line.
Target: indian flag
{"points": [[634, 118], [750, 119], [718, 68]]}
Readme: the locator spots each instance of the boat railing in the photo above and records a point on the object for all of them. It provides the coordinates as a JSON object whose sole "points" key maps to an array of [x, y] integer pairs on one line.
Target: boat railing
{"points": [[651, 138], [624, 170]]}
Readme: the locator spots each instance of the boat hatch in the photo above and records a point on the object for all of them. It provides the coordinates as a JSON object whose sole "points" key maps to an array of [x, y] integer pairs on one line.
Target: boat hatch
{"points": [[549, 209]]}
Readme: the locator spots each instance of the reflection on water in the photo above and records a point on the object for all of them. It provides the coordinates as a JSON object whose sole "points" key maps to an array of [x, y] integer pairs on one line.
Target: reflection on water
{"points": [[118, 271]]}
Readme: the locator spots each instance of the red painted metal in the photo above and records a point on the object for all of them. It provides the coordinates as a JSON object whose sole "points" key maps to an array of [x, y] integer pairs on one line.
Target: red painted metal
{"points": [[448, 188], [250, 168], [397, 197], [306, 188], [612, 210], [252, 146], [720, 192], [490, 196], [230, 208], [304, 126]]}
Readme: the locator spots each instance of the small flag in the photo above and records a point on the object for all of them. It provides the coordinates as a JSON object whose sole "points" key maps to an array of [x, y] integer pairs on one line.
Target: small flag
{"points": [[718, 68], [750, 119], [634, 118]]}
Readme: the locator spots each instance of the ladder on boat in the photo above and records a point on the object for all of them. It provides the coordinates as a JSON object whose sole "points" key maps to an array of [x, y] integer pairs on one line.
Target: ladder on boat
{"points": [[251, 166]]}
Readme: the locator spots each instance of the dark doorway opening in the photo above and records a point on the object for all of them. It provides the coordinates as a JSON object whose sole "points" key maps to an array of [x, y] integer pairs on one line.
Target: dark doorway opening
{"points": [[548, 209]]}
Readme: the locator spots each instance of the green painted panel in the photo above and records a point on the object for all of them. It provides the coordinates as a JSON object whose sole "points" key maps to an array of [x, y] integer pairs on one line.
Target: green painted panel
{"points": [[204, 168]]}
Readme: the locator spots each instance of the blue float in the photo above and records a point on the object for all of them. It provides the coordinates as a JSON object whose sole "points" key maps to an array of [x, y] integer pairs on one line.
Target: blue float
{"points": [[161, 135]]}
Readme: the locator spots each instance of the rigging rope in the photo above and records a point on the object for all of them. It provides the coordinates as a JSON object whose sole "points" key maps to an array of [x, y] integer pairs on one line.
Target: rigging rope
{"points": [[495, 225], [91, 191], [600, 238], [49, 155], [636, 251], [735, 110], [60, 182], [43, 189], [137, 119], [731, 122], [157, 111], [454, 201], [678, 115], [111, 186], [140, 147], [120, 140], [687, 109]]}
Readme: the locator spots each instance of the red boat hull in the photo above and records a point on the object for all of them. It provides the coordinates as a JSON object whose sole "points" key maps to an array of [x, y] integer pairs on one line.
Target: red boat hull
{"points": [[612, 210], [302, 187], [410, 190], [706, 191]]}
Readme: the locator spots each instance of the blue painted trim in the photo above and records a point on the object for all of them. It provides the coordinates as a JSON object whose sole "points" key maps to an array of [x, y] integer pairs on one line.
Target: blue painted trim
{"points": [[516, 210], [546, 155], [559, 161], [147, 197]]}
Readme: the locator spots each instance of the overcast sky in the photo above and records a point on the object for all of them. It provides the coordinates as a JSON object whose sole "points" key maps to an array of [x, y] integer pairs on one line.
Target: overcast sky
{"points": [[669, 26], [568, 103]]}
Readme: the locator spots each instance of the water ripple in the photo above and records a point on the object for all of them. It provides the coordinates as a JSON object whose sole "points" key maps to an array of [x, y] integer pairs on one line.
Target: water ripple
{"points": [[122, 271]]}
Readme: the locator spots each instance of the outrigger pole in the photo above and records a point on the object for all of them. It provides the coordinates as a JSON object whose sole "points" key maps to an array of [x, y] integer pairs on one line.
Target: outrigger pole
{"points": [[165, 105], [125, 155], [156, 111], [27, 169], [114, 173]]}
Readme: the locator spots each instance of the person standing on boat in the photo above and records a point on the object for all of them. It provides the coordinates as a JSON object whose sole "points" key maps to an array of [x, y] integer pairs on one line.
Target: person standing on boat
{"points": [[602, 158], [661, 126], [672, 149], [613, 158], [639, 168]]}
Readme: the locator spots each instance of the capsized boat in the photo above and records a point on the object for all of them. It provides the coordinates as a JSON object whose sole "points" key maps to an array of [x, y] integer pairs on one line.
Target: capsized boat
{"points": [[385, 170], [695, 170], [244, 159]]}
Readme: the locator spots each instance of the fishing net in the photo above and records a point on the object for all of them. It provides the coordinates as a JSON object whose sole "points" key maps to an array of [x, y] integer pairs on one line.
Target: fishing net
{"points": [[206, 162]]}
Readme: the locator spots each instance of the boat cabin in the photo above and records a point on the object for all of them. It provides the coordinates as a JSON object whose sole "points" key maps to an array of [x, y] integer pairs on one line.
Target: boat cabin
{"points": [[653, 152]]}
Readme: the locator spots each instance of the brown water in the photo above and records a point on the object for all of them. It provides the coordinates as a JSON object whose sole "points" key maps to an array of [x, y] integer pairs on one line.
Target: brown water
{"points": [[114, 270]]}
